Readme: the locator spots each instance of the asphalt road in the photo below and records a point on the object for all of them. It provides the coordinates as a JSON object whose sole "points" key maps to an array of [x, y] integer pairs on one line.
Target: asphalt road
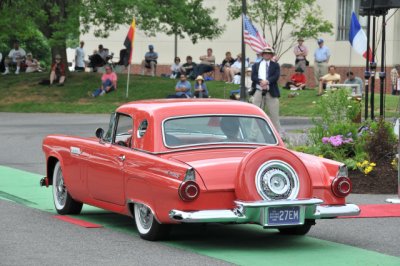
{"points": [[28, 236]]}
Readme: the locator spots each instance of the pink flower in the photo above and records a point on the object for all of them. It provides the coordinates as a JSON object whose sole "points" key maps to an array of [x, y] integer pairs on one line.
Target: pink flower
{"points": [[336, 141]]}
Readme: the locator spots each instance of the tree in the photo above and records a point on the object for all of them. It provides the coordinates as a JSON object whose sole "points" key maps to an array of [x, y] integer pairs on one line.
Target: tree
{"points": [[57, 20], [284, 20]]}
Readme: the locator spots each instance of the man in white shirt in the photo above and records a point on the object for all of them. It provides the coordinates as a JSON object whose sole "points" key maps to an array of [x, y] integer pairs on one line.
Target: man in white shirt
{"points": [[80, 58], [265, 76], [15, 57]]}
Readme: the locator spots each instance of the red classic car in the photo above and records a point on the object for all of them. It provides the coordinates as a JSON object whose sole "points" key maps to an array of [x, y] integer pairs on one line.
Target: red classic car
{"points": [[177, 161]]}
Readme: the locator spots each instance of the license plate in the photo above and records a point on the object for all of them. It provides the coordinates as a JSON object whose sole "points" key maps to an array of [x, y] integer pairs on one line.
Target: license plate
{"points": [[284, 215]]}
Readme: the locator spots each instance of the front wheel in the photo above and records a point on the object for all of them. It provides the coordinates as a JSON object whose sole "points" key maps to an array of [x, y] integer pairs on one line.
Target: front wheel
{"points": [[298, 230], [63, 201], [147, 225]]}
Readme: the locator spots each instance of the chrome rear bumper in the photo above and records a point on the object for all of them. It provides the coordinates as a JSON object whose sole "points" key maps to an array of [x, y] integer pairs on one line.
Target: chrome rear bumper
{"points": [[255, 212]]}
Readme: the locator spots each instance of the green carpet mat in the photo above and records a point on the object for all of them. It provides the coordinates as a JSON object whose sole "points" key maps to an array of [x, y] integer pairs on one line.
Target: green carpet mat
{"points": [[238, 244]]}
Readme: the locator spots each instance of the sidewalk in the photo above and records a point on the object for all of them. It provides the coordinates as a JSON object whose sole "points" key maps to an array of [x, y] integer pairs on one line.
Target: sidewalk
{"points": [[296, 129]]}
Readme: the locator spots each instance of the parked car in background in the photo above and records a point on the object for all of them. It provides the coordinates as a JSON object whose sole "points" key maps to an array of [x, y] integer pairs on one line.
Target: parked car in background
{"points": [[175, 161]]}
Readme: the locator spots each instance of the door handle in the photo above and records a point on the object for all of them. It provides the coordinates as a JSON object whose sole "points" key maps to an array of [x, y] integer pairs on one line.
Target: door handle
{"points": [[121, 158]]}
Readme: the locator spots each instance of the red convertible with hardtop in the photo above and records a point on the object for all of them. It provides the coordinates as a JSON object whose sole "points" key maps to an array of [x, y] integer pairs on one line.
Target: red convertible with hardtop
{"points": [[176, 161]]}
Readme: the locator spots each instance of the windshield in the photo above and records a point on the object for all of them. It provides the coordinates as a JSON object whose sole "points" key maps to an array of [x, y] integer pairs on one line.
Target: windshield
{"points": [[188, 131]]}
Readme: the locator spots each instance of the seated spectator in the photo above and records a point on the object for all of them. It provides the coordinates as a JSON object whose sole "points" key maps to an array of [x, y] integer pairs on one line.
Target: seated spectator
{"points": [[200, 88], [352, 79], [297, 81], [123, 58], [235, 94], [207, 63], [99, 58], [150, 61], [176, 68], [108, 82], [236, 68], [187, 68], [15, 58], [331, 78], [226, 65], [32, 65], [182, 89], [80, 57], [247, 79], [57, 72]]}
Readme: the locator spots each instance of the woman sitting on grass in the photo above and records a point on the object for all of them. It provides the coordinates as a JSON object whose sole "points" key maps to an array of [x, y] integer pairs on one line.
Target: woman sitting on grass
{"points": [[108, 83], [57, 73], [200, 88], [32, 64]]}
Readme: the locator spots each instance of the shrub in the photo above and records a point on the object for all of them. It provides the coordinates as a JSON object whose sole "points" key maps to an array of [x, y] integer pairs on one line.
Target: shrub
{"points": [[336, 111], [336, 136], [380, 141]]}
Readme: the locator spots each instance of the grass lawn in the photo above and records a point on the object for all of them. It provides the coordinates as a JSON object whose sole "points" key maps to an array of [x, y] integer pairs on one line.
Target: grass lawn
{"points": [[22, 93]]}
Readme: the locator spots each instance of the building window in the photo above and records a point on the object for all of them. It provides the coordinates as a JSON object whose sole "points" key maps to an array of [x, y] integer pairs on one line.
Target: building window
{"points": [[345, 8]]}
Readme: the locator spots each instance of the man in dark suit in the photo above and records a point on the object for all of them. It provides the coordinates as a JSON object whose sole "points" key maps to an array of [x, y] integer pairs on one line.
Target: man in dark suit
{"points": [[265, 75]]}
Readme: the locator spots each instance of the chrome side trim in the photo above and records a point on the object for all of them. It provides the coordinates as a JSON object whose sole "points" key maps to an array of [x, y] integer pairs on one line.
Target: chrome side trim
{"points": [[204, 147], [331, 211]]}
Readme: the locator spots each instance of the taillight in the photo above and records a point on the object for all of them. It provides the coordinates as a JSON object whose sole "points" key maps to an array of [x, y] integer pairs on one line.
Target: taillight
{"points": [[189, 190], [341, 186]]}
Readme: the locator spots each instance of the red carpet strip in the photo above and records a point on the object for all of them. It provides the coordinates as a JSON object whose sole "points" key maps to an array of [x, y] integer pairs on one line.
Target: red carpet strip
{"points": [[75, 221], [377, 211]]}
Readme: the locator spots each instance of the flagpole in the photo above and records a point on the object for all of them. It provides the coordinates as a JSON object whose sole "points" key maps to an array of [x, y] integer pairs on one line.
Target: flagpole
{"points": [[349, 68], [127, 80], [129, 47], [243, 70]]}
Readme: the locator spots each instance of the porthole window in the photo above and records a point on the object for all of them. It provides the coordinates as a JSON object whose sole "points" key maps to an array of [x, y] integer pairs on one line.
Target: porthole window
{"points": [[142, 129]]}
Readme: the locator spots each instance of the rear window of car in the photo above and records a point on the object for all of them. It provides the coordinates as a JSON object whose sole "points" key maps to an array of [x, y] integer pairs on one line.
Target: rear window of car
{"points": [[200, 130]]}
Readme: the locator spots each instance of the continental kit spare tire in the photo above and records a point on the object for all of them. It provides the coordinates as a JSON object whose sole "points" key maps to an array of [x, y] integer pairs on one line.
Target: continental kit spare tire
{"points": [[272, 173]]}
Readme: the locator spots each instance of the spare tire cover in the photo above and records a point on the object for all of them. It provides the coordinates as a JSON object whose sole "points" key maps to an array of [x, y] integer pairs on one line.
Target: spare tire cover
{"points": [[277, 166]]}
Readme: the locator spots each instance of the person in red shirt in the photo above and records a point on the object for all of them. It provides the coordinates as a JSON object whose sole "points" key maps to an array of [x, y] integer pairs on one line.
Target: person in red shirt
{"points": [[57, 73], [297, 81]]}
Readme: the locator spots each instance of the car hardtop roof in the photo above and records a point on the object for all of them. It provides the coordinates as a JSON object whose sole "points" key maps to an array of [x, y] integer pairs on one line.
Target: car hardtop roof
{"points": [[180, 104]]}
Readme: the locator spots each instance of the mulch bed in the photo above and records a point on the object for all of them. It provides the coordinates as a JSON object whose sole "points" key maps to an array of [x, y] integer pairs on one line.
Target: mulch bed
{"points": [[382, 180]]}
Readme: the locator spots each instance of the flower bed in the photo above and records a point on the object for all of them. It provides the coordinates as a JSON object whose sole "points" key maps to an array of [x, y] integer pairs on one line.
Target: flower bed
{"points": [[367, 149], [382, 180]]}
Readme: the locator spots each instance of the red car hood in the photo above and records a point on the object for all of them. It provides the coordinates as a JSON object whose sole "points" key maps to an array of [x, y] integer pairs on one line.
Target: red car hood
{"points": [[217, 168]]}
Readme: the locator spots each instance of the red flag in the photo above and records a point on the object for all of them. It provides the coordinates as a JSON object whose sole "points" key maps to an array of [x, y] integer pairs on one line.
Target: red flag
{"points": [[128, 43]]}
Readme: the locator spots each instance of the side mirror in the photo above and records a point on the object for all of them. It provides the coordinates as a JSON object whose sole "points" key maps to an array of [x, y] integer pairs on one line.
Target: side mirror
{"points": [[99, 133]]}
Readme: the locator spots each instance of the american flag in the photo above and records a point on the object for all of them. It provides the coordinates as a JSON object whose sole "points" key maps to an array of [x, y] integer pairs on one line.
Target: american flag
{"points": [[252, 37]]}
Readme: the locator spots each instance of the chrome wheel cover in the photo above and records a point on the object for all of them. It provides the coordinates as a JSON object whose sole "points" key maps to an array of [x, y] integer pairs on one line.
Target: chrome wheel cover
{"points": [[145, 217], [276, 180], [60, 191]]}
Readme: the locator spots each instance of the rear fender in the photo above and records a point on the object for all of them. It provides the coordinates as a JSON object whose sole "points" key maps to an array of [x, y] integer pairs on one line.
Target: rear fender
{"points": [[132, 202], [51, 162]]}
